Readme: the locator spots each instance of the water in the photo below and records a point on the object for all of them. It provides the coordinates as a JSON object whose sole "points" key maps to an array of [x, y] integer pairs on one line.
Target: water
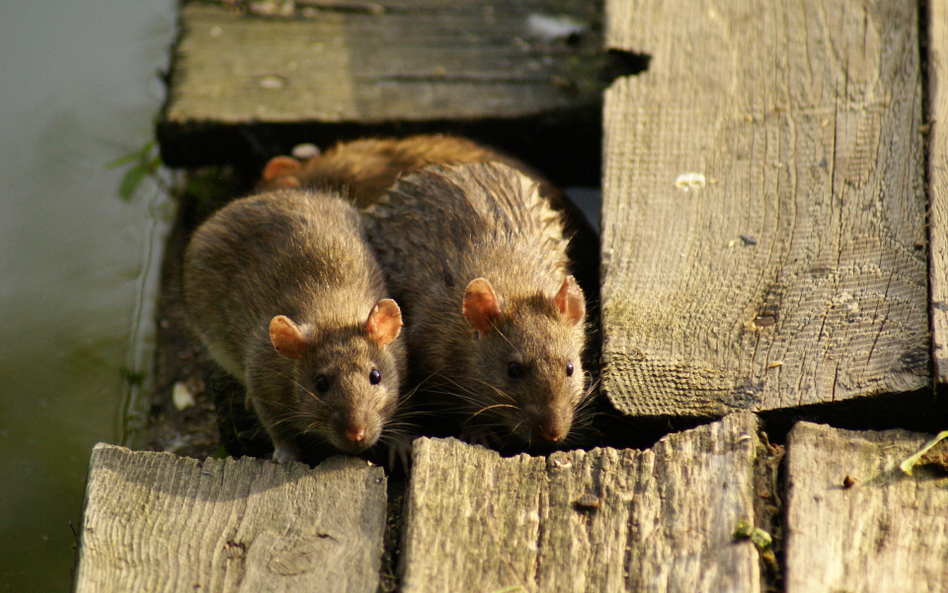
{"points": [[77, 264]]}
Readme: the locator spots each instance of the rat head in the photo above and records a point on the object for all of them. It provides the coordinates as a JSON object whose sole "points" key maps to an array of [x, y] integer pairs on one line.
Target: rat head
{"points": [[346, 378], [528, 371]]}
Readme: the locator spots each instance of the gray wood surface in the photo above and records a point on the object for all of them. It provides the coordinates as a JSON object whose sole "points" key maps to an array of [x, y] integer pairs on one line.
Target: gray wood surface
{"points": [[390, 61], [886, 532], [157, 522], [938, 181], [796, 275], [664, 520]]}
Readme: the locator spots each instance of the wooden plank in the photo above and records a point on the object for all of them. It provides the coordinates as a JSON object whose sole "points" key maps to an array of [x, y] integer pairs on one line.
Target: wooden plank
{"points": [[657, 520], [157, 522], [886, 532], [246, 81], [938, 181], [796, 273]]}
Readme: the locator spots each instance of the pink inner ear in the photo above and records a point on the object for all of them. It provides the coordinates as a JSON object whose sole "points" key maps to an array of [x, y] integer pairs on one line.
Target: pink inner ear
{"points": [[384, 322], [481, 306], [569, 301], [280, 166], [287, 337]]}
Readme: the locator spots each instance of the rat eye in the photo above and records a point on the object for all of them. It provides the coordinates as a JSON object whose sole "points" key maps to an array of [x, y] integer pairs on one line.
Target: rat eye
{"points": [[569, 369], [514, 370], [375, 377], [322, 384]]}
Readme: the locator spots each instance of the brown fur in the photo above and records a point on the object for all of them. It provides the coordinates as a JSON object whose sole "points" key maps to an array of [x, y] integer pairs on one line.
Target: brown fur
{"points": [[364, 169], [438, 230], [291, 270]]}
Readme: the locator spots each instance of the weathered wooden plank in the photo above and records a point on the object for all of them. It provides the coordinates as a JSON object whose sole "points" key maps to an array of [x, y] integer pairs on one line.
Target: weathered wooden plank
{"points": [[157, 522], [401, 63], [938, 181], [657, 520], [885, 532], [794, 273]]}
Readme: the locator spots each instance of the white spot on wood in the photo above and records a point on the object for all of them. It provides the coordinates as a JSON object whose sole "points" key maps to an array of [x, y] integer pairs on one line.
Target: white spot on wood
{"points": [[690, 181], [182, 396], [549, 28], [305, 151], [270, 81]]}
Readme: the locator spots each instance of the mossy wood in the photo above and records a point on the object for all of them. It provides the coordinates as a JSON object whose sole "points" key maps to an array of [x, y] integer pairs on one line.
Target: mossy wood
{"points": [[157, 522], [793, 270], [244, 82], [937, 128], [855, 522], [602, 520]]}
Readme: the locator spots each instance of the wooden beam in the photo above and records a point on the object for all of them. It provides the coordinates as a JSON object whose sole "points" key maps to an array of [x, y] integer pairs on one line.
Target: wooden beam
{"points": [[763, 206], [602, 520], [248, 82], [938, 181], [855, 521], [157, 522]]}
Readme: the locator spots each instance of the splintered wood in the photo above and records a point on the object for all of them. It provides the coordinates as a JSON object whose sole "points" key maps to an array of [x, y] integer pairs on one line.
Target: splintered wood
{"points": [[602, 520], [855, 521], [157, 522], [937, 128], [764, 240]]}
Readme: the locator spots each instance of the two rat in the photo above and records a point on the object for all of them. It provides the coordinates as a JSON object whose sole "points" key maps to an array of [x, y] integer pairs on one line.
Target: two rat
{"points": [[475, 247]]}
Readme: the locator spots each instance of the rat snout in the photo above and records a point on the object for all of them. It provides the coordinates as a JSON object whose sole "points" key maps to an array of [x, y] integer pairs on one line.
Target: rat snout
{"points": [[550, 423], [356, 432]]}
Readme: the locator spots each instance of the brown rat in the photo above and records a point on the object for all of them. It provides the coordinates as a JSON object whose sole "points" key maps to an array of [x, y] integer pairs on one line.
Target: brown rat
{"points": [[494, 321], [283, 290]]}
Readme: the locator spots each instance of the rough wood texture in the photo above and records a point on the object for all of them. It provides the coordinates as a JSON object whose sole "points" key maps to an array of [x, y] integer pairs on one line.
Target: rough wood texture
{"points": [[797, 274], [365, 63], [664, 521], [886, 532], [157, 522], [938, 181]]}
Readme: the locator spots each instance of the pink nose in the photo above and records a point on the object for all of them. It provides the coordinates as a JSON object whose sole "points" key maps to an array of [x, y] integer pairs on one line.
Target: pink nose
{"points": [[552, 430], [356, 434]]}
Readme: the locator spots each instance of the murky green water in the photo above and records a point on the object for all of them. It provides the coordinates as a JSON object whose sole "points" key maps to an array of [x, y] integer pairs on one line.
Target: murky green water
{"points": [[77, 265]]}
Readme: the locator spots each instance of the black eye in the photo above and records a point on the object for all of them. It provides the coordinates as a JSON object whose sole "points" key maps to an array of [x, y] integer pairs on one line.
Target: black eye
{"points": [[322, 384], [375, 377], [569, 369], [514, 370]]}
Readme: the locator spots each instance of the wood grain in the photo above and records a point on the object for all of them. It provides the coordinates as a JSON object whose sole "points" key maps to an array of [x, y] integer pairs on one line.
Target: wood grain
{"points": [[796, 275], [157, 522], [656, 520], [886, 532], [938, 181], [404, 62]]}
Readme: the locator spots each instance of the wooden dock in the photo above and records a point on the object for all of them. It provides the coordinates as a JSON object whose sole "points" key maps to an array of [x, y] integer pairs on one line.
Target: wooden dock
{"points": [[775, 279]]}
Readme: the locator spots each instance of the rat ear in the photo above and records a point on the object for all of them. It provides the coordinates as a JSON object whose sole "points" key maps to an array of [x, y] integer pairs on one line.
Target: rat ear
{"points": [[481, 306], [384, 322], [569, 301], [278, 171], [287, 337]]}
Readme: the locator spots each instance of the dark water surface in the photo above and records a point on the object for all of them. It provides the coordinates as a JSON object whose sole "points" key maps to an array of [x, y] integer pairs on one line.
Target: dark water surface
{"points": [[77, 264]]}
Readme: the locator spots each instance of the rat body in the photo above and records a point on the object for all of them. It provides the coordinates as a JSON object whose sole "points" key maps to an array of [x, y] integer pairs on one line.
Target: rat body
{"points": [[283, 290], [365, 169], [495, 323]]}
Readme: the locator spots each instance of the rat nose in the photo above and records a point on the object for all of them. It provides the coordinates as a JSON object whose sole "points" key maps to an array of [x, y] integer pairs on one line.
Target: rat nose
{"points": [[356, 434], [553, 424]]}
